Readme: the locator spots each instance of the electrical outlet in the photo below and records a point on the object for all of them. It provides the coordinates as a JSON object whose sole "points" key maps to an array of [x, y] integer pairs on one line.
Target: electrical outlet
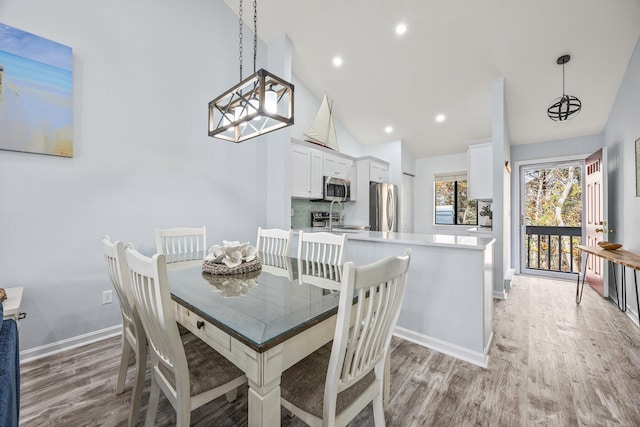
{"points": [[107, 297]]}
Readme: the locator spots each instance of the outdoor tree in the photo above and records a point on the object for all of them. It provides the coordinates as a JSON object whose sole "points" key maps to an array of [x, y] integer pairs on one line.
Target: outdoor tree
{"points": [[553, 198]]}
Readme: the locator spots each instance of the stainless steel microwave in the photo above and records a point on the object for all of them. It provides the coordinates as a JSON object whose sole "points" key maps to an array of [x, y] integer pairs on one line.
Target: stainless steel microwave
{"points": [[337, 189]]}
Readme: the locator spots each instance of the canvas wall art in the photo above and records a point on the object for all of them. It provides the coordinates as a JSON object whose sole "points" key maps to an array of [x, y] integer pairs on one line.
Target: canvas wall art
{"points": [[35, 94]]}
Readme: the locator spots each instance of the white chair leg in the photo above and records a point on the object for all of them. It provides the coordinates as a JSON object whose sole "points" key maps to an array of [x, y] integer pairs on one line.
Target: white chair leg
{"points": [[154, 398], [387, 378], [183, 412], [231, 395], [138, 385], [378, 411], [124, 364]]}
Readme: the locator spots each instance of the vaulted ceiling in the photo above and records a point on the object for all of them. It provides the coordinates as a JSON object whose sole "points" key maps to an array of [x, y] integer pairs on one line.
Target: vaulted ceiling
{"points": [[447, 59]]}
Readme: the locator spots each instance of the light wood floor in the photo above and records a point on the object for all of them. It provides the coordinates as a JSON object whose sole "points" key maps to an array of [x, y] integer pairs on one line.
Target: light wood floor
{"points": [[552, 363]]}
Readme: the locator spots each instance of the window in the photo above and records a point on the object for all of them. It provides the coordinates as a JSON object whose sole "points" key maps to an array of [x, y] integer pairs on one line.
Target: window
{"points": [[451, 203]]}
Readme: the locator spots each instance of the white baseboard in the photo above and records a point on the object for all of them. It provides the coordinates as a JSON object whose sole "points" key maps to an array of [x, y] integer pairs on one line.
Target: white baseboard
{"points": [[632, 315], [479, 359], [69, 343], [508, 277], [500, 294]]}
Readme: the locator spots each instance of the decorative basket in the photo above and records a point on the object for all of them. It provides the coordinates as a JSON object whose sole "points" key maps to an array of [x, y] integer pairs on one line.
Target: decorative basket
{"points": [[609, 246], [221, 269]]}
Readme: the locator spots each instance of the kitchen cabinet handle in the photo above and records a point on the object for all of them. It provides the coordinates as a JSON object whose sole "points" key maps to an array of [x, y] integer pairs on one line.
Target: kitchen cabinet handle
{"points": [[200, 324]]}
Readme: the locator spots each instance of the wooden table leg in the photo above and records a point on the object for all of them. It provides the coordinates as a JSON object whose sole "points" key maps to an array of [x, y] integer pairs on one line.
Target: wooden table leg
{"points": [[264, 371], [264, 405], [635, 280], [624, 288], [579, 288]]}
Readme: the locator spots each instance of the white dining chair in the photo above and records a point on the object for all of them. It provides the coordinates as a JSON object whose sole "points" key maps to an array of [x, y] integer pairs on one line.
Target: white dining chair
{"points": [[182, 243], [328, 248], [133, 335], [332, 385], [326, 276], [188, 371], [274, 241]]}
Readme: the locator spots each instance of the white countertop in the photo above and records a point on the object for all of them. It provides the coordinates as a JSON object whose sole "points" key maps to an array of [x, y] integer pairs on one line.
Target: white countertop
{"points": [[481, 231], [446, 240]]}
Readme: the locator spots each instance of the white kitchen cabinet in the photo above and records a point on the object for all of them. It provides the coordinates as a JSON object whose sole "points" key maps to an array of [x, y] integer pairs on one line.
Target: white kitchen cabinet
{"points": [[378, 171], [336, 166], [480, 171], [406, 225], [306, 172], [353, 177], [317, 178]]}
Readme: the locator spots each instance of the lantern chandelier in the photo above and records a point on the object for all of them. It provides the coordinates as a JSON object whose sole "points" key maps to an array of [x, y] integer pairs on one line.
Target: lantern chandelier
{"points": [[257, 105], [565, 107]]}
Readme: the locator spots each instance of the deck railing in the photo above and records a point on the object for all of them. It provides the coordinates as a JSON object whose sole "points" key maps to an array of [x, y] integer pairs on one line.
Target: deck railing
{"points": [[553, 248]]}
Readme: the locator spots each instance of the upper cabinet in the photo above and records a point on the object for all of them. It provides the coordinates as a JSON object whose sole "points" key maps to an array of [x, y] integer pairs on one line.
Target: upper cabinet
{"points": [[336, 166], [378, 171], [310, 165], [306, 172], [480, 170]]}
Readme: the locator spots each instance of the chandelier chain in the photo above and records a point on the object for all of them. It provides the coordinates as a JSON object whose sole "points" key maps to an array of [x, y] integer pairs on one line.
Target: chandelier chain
{"points": [[255, 33], [563, 93], [241, 23]]}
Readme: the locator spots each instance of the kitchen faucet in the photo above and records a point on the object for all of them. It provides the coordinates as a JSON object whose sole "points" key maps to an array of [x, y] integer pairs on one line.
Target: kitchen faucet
{"points": [[331, 214]]}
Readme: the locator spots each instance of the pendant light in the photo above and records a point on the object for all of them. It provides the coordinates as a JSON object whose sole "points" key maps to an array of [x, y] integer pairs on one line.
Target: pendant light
{"points": [[257, 105], [566, 106]]}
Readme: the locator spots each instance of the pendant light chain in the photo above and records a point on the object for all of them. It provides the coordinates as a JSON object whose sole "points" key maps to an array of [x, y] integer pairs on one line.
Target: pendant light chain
{"points": [[563, 93], [241, 23], [255, 33]]}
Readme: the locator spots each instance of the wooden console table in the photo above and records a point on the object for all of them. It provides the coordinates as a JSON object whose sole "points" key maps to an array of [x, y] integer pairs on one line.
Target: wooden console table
{"points": [[621, 257]]}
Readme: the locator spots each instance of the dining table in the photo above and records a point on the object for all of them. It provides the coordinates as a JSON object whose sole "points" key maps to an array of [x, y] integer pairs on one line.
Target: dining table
{"points": [[263, 322]]}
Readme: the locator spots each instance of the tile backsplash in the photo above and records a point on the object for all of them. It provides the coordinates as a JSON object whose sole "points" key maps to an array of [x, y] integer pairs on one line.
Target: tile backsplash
{"points": [[302, 212]]}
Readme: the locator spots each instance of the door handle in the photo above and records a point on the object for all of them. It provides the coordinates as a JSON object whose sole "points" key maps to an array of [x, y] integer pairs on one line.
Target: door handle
{"points": [[602, 230]]}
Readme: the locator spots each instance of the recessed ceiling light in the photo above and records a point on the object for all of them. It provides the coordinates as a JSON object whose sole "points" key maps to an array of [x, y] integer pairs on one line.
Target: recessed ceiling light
{"points": [[401, 28], [388, 129], [337, 61], [441, 118]]}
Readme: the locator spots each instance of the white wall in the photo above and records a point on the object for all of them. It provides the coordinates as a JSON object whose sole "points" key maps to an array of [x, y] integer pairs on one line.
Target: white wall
{"points": [[501, 188], [143, 73], [277, 148], [621, 131], [425, 169], [408, 161]]}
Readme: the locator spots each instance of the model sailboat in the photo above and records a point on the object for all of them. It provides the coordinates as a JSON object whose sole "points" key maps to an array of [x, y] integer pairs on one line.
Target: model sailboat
{"points": [[323, 131]]}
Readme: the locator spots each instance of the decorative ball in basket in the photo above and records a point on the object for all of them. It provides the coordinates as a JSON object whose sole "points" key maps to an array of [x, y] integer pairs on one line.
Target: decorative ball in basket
{"points": [[231, 258]]}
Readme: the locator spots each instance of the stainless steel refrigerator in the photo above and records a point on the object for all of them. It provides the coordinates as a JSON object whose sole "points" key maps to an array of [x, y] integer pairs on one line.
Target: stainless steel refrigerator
{"points": [[383, 207]]}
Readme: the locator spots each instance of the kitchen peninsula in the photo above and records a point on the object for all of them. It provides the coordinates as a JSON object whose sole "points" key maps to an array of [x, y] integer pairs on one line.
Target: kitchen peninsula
{"points": [[448, 302]]}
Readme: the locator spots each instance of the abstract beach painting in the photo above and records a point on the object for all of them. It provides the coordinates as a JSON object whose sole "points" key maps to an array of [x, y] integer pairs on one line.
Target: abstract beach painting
{"points": [[36, 111]]}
